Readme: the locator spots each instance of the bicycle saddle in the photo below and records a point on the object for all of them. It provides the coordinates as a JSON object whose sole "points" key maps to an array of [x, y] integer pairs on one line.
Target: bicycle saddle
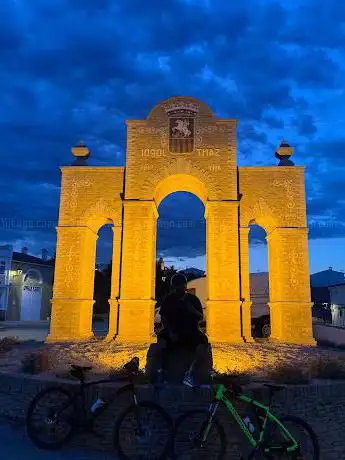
{"points": [[274, 388]]}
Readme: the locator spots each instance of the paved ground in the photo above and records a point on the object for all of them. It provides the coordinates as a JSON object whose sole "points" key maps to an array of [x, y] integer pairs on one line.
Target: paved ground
{"points": [[37, 330], [14, 445]]}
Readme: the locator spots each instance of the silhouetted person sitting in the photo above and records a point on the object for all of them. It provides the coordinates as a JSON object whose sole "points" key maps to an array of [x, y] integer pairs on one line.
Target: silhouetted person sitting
{"points": [[181, 314]]}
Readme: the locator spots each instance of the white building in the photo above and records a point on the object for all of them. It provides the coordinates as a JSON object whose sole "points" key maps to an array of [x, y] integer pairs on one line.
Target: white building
{"points": [[25, 285], [337, 300], [259, 296], [6, 253]]}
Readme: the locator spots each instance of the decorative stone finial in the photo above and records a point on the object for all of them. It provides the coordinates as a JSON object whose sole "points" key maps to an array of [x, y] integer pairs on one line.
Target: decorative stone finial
{"points": [[283, 153], [81, 152]]}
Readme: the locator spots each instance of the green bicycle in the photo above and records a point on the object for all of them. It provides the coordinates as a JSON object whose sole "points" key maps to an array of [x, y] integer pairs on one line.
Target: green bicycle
{"points": [[198, 434]]}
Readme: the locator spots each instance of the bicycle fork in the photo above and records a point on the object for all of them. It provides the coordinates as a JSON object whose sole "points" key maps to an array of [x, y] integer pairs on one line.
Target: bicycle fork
{"points": [[140, 424], [206, 426]]}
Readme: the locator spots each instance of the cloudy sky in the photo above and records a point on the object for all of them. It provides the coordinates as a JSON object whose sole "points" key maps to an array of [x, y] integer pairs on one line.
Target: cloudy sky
{"points": [[76, 69]]}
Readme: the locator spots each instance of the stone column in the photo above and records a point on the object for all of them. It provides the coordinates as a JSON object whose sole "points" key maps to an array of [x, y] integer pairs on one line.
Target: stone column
{"points": [[115, 283], [245, 286], [137, 298], [290, 303], [223, 304], [72, 303]]}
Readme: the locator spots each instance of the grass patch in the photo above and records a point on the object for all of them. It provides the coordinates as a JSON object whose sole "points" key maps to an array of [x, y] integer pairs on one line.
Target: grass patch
{"points": [[139, 378], [7, 343], [34, 363], [328, 368], [289, 374], [116, 374], [229, 378]]}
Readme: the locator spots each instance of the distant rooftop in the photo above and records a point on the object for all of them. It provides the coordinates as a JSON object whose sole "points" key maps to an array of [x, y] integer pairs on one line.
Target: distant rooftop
{"points": [[21, 257], [326, 278]]}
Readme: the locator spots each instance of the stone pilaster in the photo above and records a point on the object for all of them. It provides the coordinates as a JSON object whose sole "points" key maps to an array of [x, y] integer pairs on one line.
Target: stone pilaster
{"points": [[72, 302], [115, 283], [137, 298], [290, 303], [223, 305], [245, 285]]}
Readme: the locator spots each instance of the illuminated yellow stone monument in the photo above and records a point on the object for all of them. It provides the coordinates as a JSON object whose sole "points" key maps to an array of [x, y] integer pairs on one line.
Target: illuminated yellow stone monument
{"points": [[182, 146]]}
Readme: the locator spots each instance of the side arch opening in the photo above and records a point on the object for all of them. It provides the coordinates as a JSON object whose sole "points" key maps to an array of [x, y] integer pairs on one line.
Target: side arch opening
{"points": [[259, 281], [102, 279]]}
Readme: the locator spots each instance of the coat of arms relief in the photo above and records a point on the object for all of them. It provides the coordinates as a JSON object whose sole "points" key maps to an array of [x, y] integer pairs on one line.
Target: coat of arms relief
{"points": [[182, 116], [182, 134]]}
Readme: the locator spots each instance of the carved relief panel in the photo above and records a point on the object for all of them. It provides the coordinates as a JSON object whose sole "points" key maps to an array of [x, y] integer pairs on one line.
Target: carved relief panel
{"points": [[181, 136], [272, 196]]}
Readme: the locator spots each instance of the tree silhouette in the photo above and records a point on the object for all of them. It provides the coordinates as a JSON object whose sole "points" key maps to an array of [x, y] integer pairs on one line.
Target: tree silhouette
{"points": [[163, 278], [102, 286]]}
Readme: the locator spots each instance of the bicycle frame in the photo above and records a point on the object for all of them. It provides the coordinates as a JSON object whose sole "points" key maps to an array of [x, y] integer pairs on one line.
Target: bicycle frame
{"points": [[221, 397], [80, 394]]}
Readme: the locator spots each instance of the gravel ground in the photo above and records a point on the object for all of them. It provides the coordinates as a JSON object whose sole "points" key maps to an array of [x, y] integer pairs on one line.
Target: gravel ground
{"points": [[256, 359]]}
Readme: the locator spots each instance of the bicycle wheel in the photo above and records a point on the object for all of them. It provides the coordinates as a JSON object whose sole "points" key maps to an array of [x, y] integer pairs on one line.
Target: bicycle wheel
{"points": [[49, 419], [302, 433], [186, 442], [143, 431]]}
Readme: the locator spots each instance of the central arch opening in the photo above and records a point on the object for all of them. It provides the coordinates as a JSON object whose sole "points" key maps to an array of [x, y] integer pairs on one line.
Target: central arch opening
{"points": [[181, 246]]}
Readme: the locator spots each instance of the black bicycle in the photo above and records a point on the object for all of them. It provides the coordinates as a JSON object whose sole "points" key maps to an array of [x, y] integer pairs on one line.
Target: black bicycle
{"points": [[143, 430]]}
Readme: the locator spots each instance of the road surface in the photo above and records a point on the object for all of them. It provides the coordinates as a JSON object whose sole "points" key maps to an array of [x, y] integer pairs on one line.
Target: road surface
{"points": [[38, 330], [14, 445]]}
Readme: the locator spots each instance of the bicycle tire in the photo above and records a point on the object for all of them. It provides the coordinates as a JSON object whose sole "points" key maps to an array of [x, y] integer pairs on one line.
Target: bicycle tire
{"points": [[119, 437], [215, 424], [31, 432], [297, 421]]}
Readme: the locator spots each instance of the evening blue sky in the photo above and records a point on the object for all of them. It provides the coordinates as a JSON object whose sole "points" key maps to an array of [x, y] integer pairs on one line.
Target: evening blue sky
{"points": [[78, 69]]}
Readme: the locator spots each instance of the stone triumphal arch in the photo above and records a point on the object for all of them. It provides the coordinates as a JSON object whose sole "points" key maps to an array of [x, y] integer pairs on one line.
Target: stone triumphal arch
{"points": [[182, 146]]}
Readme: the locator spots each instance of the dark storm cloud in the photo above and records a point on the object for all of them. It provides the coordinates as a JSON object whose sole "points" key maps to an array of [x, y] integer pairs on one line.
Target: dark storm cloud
{"points": [[77, 70], [304, 125], [317, 23], [273, 121]]}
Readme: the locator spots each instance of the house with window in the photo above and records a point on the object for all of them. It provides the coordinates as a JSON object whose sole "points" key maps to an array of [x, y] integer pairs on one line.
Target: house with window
{"points": [[25, 285], [321, 284], [337, 301]]}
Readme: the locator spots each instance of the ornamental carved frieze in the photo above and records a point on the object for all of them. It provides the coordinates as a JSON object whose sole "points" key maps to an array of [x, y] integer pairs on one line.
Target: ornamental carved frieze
{"points": [[200, 131], [70, 273], [181, 165], [288, 186], [162, 132], [101, 208], [75, 187], [263, 214], [294, 264]]}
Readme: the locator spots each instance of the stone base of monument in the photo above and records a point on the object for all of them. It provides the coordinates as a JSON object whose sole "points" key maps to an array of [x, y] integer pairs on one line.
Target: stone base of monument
{"points": [[177, 363]]}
